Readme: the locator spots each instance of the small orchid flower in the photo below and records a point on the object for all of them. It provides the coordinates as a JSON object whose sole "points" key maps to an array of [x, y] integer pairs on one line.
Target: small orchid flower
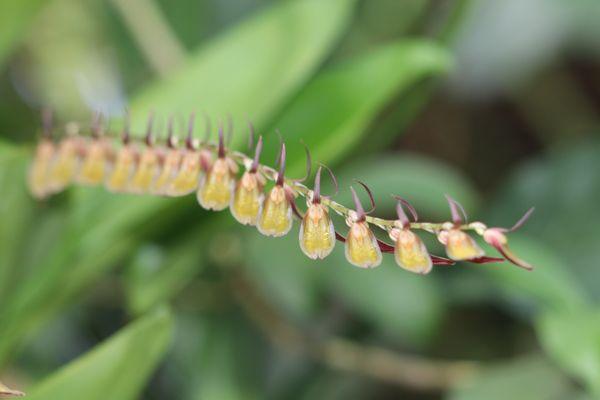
{"points": [[37, 176], [317, 234], [148, 168], [247, 200], [217, 184], [186, 178], [93, 168], [275, 218], [361, 246], [497, 238], [410, 252], [124, 164], [170, 163], [65, 164], [459, 245]]}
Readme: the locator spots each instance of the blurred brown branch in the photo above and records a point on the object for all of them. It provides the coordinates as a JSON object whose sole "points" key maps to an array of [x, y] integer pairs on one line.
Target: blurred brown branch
{"points": [[376, 362]]}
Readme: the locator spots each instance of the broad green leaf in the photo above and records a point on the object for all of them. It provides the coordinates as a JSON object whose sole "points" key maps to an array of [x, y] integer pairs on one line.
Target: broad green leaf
{"points": [[333, 111], [15, 16], [531, 377], [118, 369], [572, 339], [249, 71]]}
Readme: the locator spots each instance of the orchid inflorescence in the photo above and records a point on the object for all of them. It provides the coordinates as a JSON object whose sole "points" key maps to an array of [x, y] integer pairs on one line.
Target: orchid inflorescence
{"points": [[211, 171]]}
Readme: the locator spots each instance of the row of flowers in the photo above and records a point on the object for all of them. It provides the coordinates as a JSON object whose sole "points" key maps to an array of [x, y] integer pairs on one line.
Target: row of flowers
{"points": [[212, 171]]}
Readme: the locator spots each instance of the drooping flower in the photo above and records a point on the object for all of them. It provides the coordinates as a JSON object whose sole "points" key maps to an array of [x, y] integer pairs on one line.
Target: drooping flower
{"points": [[275, 218], [37, 176], [64, 166], [459, 245], [361, 247], [170, 163], [187, 176], [410, 252], [94, 166], [317, 233], [123, 166], [147, 168], [216, 185], [247, 200]]}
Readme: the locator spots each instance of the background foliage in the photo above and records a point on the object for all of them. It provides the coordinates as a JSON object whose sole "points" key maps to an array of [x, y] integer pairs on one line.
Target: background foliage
{"points": [[123, 297]]}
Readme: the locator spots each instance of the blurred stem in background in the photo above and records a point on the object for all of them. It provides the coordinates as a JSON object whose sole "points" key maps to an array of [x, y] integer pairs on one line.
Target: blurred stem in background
{"points": [[416, 373], [153, 35]]}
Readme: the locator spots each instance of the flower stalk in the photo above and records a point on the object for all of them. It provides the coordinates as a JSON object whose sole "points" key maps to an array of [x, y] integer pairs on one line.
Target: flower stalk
{"points": [[211, 170]]}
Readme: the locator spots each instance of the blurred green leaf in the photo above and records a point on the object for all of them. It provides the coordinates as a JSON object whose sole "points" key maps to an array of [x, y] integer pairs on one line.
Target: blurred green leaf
{"points": [[15, 16], [420, 180], [117, 369], [521, 379], [253, 68], [157, 274], [16, 211], [224, 370], [564, 187], [549, 287], [333, 111], [573, 340]]}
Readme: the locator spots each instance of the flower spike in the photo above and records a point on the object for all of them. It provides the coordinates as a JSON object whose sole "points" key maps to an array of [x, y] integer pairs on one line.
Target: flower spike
{"points": [[141, 166]]}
